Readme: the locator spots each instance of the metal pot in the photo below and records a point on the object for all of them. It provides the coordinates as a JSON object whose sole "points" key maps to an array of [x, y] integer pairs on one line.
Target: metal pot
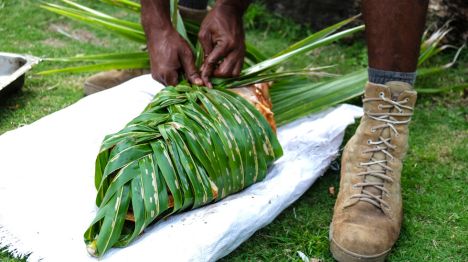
{"points": [[13, 68]]}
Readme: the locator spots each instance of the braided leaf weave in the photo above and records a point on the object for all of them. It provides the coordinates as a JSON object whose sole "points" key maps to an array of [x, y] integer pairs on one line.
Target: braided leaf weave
{"points": [[190, 146]]}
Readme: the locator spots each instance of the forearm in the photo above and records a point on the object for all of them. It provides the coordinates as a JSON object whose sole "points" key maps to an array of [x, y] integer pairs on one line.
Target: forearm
{"points": [[155, 16], [239, 5]]}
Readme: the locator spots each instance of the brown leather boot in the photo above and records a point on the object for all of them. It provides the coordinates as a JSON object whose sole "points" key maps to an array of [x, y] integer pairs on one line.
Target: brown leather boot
{"points": [[106, 80], [368, 210]]}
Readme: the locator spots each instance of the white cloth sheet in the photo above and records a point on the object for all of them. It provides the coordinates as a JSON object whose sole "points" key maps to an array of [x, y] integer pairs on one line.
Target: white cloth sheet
{"points": [[47, 175]]}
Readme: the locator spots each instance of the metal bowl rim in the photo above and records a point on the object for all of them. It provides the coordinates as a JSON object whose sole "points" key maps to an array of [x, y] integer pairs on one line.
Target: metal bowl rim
{"points": [[30, 62]]}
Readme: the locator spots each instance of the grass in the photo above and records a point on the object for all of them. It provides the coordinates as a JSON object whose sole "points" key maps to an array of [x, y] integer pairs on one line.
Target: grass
{"points": [[434, 178]]}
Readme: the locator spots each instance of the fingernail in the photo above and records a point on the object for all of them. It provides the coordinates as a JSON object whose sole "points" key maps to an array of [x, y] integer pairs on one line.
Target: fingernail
{"points": [[198, 81]]}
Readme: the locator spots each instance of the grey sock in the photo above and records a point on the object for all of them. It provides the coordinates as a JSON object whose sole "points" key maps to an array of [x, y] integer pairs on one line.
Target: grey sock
{"points": [[378, 76], [194, 4]]}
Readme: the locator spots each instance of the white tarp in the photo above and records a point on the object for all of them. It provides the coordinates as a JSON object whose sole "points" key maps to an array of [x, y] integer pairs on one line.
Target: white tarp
{"points": [[47, 186]]}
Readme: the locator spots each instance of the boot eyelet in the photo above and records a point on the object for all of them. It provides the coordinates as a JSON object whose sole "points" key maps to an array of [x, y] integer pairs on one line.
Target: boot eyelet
{"points": [[373, 130], [381, 94], [369, 142], [406, 100]]}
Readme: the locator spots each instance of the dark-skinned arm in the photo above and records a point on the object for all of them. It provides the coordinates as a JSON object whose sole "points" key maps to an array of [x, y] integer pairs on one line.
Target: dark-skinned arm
{"points": [[223, 40], [169, 52]]}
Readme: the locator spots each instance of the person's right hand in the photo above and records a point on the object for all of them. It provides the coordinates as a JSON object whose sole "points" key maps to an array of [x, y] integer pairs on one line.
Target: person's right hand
{"points": [[169, 55], [222, 38]]}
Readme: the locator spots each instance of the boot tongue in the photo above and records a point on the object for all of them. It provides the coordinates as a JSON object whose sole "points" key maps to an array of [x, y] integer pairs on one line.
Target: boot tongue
{"points": [[397, 87]]}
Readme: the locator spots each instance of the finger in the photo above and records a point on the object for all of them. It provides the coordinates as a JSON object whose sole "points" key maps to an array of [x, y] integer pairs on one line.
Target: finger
{"points": [[164, 75], [220, 50], [227, 66], [231, 65], [206, 42], [206, 81], [158, 77], [211, 61], [188, 63], [170, 78], [238, 68], [224, 69]]}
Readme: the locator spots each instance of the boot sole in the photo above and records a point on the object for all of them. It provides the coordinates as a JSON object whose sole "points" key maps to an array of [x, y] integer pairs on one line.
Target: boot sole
{"points": [[343, 255]]}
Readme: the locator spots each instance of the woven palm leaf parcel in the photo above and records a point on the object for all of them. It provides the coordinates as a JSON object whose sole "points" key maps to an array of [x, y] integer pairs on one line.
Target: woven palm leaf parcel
{"points": [[191, 146]]}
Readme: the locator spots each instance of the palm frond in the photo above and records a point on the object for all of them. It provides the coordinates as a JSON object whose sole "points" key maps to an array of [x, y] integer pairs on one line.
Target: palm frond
{"points": [[126, 4], [103, 66], [275, 61], [270, 76], [316, 36], [102, 57], [437, 69], [117, 26], [431, 43], [309, 96]]}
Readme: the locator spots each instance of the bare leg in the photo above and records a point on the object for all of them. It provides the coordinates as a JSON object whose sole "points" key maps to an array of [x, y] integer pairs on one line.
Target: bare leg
{"points": [[393, 32]]}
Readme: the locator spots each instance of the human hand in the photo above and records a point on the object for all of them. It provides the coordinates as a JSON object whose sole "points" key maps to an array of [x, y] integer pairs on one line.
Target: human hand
{"points": [[222, 39], [170, 54]]}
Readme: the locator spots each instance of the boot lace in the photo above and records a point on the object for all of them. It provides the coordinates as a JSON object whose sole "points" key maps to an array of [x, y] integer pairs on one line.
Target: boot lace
{"points": [[394, 109]]}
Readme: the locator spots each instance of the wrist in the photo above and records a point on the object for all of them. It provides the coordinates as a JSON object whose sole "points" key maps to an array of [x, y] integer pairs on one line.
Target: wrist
{"points": [[155, 16], [159, 30]]}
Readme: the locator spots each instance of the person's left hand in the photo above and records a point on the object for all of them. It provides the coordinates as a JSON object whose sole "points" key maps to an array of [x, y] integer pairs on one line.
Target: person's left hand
{"points": [[222, 38]]}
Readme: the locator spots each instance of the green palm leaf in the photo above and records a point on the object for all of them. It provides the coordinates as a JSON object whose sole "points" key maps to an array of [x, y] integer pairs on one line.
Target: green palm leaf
{"points": [[121, 27], [309, 96], [103, 66], [129, 5], [316, 36], [111, 57], [304, 48]]}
